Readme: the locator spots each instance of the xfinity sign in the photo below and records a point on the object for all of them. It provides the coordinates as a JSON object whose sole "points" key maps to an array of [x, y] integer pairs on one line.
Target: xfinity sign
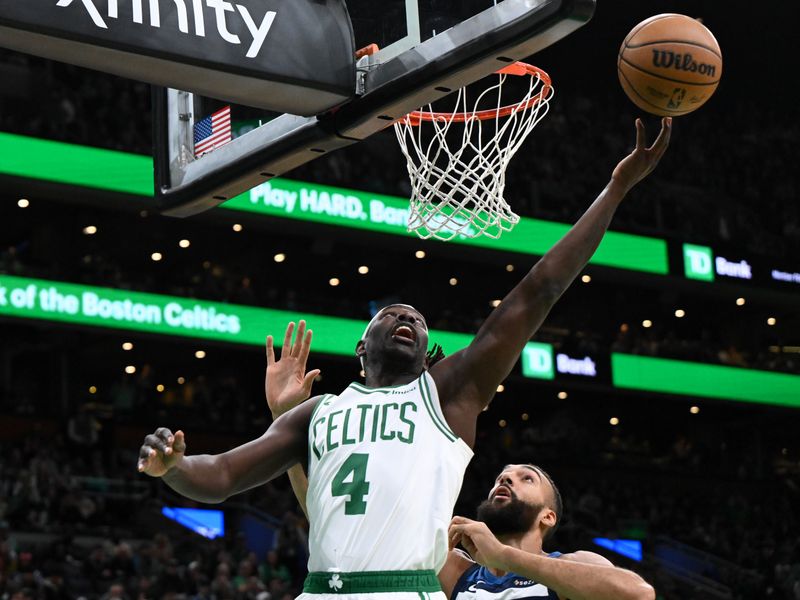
{"points": [[258, 33], [295, 56]]}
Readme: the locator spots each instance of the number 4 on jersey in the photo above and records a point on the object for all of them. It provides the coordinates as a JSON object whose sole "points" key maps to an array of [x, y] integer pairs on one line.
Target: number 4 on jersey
{"points": [[356, 488]]}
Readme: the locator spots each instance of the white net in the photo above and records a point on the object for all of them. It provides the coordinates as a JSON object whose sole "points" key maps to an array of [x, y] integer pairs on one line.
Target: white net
{"points": [[457, 160]]}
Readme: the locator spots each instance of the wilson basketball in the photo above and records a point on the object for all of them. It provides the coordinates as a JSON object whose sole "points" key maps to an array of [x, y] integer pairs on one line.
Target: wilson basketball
{"points": [[669, 65]]}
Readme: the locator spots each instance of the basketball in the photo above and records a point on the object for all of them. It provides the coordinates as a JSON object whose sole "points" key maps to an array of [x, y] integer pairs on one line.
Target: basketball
{"points": [[669, 65]]}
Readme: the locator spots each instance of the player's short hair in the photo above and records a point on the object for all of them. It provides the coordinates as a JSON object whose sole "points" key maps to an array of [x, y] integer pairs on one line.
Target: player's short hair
{"points": [[558, 503], [434, 355]]}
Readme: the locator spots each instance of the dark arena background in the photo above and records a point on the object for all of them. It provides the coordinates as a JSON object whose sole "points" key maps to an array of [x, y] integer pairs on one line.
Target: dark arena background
{"points": [[662, 393]]}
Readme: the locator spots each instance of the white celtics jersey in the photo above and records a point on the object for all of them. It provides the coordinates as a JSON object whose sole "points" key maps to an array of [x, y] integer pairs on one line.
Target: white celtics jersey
{"points": [[384, 474]]}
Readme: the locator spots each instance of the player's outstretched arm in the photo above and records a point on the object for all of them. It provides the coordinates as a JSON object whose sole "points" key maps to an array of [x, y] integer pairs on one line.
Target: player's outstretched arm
{"points": [[577, 576], [286, 385], [214, 478], [468, 379]]}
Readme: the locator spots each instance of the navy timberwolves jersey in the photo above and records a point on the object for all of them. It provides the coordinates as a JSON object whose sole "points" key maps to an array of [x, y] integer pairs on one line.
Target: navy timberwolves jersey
{"points": [[478, 583]]}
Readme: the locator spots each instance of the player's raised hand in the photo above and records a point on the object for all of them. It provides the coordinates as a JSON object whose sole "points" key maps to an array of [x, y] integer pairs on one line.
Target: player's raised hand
{"points": [[476, 539], [640, 163], [160, 452], [287, 384]]}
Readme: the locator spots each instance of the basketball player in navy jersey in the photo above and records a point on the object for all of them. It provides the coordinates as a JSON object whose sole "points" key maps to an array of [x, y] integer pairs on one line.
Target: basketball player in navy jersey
{"points": [[506, 559]]}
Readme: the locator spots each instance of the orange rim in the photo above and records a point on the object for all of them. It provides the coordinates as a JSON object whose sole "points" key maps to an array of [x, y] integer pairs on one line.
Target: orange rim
{"points": [[519, 69]]}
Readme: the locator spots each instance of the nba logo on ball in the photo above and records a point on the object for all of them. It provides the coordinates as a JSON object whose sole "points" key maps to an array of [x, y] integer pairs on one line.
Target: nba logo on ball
{"points": [[669, 65]]}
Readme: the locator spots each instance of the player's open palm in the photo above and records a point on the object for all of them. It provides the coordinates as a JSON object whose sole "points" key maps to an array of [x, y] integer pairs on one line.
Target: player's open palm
{"points": [[641, 162], [161, 451], [476, 538], [287, 384]]}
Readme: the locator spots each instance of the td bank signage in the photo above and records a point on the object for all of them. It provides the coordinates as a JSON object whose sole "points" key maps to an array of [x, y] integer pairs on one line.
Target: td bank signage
{"points": [[540, 362], [537, 361], [700, 263]]}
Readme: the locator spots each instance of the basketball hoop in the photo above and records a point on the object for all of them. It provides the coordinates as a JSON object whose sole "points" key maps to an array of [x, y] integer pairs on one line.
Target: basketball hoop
{"points": [[457, 182]]}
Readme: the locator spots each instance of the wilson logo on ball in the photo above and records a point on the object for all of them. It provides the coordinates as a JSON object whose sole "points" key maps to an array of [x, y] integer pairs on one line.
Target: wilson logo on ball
{"points": [[664, 59]]}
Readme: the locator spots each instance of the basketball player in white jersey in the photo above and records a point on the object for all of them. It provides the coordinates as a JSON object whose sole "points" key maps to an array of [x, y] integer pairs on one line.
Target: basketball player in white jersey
{"points": [[523, 509], [385, 460]]}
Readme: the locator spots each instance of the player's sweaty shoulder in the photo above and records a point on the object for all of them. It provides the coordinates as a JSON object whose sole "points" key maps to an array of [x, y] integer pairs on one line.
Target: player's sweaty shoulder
{"points": [[449, 376]]}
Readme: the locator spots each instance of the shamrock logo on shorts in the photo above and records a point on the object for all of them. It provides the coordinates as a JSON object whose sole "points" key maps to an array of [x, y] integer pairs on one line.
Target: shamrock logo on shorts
{"points": [[335, 583]]}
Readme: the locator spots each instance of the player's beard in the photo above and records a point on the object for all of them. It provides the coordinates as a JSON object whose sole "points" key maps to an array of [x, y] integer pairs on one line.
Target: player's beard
{"points": [[514, 516]]}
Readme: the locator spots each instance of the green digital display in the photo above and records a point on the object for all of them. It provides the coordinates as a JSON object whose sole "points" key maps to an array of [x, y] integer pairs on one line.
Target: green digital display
{"points": [[81, 166], [76, 304], [133, 174], [708, 381], [389, 214], [167, 315]]}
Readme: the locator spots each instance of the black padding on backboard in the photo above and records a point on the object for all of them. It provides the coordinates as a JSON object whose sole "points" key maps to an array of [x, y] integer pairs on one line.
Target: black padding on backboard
{"points": [[411, 80], [294, 56], [278, 155], [475, 48]]}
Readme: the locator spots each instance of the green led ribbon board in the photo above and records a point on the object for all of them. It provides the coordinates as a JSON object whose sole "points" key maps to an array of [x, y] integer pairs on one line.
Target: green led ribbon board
{"points": [[82, 166], [709, 381], [82, 305], [167, 315], [388, 214]]}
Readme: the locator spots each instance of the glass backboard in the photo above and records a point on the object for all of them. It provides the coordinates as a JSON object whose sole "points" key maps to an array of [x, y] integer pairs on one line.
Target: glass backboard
{"points": [[426, 50]]}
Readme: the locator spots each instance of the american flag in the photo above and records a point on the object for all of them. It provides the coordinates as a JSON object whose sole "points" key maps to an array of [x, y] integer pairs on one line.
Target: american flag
{"points": [[212, 132]]}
